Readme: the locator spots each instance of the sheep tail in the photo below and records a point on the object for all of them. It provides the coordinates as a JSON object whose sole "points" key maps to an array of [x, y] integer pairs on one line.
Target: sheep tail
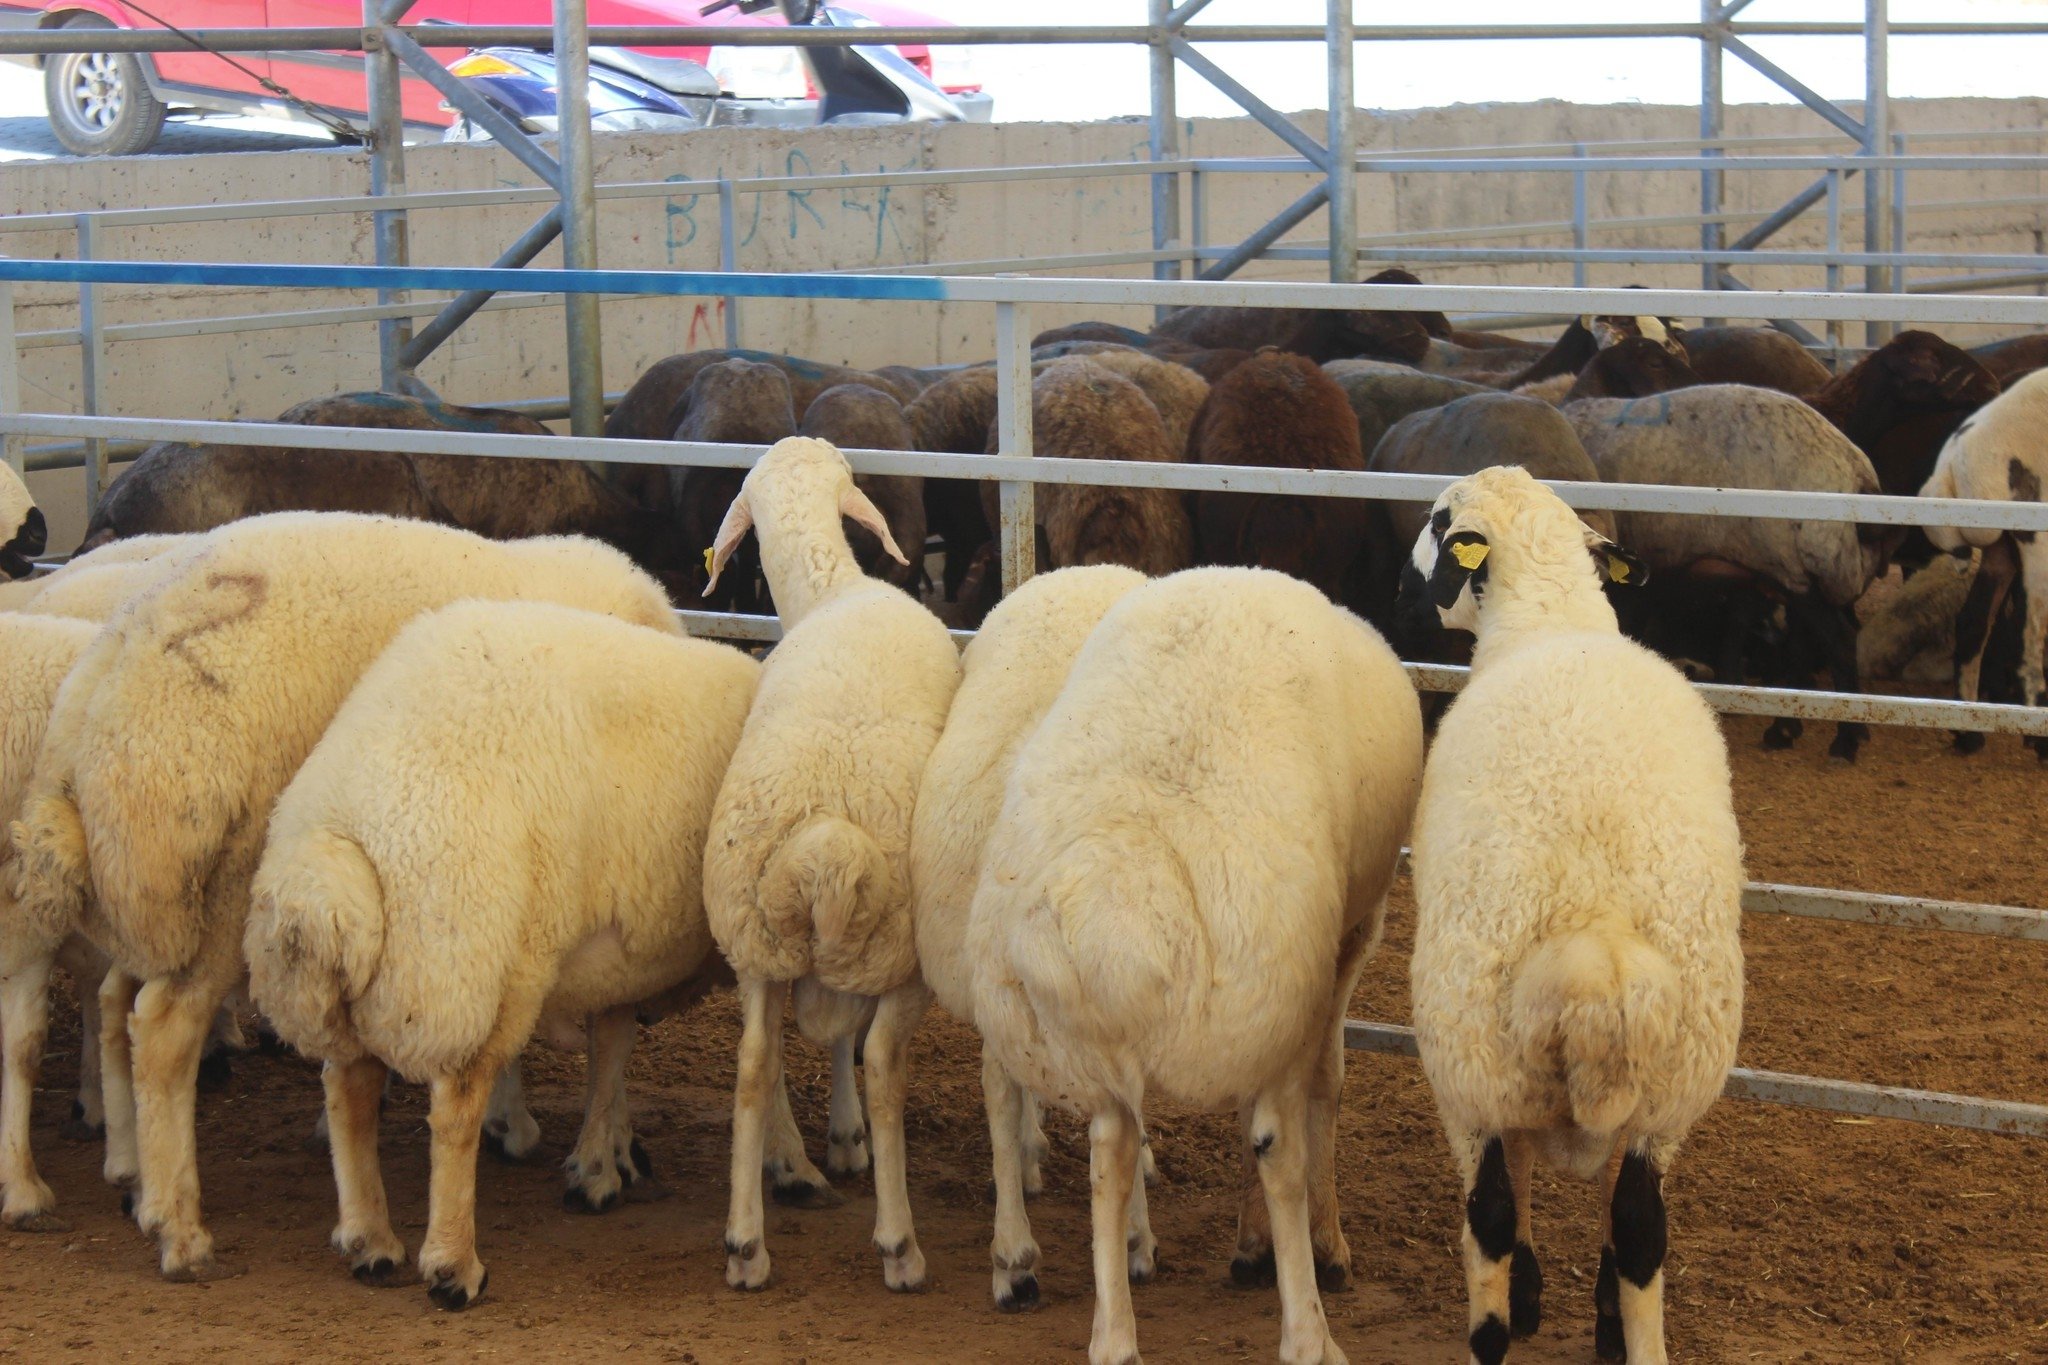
{"points": [[1596, 1005], [53, 864], [829, 886], [315, 940]]}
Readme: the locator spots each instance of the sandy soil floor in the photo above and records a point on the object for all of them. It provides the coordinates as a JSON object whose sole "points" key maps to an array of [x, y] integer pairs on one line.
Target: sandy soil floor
{"points": [[1795, 1236]]}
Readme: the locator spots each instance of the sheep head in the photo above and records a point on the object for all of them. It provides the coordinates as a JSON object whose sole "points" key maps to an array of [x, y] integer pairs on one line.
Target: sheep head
{"points": [[1502, 518], [1926, 371], [802, 486], [23, 533]]}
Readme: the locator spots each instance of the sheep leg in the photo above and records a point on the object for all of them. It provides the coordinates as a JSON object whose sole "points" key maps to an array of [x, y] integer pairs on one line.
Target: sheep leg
{"points": [[846, 1150], [1608, 1337], [1013, 1250], [1252, 1266], [1636, 1212], [1141, 1248], [1489, 1243], [88, 967], [117, 1081], [793, 1179], [1112, 1167], [510, 1132], [24, 1027], [1525, 1273], [1833, 628], [455, 1278], [760, 1074], [2034, 578], [636, 1168], [169, 1026], [1031, 1132], [1325, 1100], [1280, 1138], [1976, 622], [887, 1062], [604, 1161], [362, 1232]]}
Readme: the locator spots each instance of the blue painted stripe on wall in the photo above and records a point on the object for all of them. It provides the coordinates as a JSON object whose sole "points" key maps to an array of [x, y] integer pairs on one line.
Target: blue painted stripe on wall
{"points": [[456, 279]]}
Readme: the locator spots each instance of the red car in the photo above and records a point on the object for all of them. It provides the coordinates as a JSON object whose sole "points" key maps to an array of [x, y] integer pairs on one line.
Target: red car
{"points": [[114, 104]]}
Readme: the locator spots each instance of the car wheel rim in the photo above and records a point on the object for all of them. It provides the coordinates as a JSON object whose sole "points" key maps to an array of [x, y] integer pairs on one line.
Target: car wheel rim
{"points": [[98, 92]]}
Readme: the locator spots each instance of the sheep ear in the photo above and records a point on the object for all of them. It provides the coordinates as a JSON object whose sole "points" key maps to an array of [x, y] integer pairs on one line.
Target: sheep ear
{"points": [[739, 519], [1460, 560], [1605, 333], [854, 503], [1615, 565]]}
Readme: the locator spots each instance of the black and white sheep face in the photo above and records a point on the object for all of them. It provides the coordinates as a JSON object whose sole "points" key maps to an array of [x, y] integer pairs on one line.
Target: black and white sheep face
{"points": [[23, 533], [1445, 574]]}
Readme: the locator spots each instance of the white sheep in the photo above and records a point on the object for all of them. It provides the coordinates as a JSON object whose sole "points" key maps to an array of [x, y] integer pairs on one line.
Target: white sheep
{"points": [[501, 832], [1577, 975], [1014, 668], [36, 652], [92, 586], [806, 878], [1189, 869], [23, 532], [1996, 455], [232, 665]]}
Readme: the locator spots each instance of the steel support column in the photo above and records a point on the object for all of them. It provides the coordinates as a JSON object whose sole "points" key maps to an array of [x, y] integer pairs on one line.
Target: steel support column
{"points": [[1876, 117], [464, 306], [1711, 125], [12, 446], [1017, 528], [1342, 174], [387, 176], [579, 214], [1164, 142], [92, 361]]}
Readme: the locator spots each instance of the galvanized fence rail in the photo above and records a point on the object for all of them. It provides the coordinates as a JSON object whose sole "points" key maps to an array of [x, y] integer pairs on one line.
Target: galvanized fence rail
{"points": [[1016, 470]]}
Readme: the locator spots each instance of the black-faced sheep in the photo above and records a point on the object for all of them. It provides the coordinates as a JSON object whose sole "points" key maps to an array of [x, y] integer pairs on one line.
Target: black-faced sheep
{"points": [[1763, 357], [861, 417], [728, 402], [23, 531], [1634, 367], [647, 412], [1577, 975], [1280, 411], [1737, 436], [1902, 402]]}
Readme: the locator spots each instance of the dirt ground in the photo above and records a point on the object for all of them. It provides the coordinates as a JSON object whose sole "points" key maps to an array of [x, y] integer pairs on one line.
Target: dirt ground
{"points": [[1795, 1236]]}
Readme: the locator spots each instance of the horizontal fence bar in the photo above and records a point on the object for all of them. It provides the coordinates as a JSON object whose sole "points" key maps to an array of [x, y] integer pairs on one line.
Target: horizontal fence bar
{"points": [[1896, 912], [1904, 712], [1754, 304], [2011, 1117], [1625, 497]]}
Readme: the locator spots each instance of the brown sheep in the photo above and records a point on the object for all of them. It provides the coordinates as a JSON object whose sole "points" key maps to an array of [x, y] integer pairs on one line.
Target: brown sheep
{"points": [[175, 487], [732, 402], [862, 417], [2013, 357], [1318, 333], [1279, 411], [1633, 367], [1175, 390], [1081, 411], [1091, 331], [1762, 357], [648, 411], [1901, 402], [953, 416]]}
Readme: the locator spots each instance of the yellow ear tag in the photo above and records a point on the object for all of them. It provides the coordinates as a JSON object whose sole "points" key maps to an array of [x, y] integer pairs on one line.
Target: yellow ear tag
{"points": [[707, 557], [1617, 568], [1470, 554]]}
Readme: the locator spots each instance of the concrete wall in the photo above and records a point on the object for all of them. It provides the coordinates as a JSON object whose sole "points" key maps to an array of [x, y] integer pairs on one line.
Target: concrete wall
{"points": [[519, 353]]}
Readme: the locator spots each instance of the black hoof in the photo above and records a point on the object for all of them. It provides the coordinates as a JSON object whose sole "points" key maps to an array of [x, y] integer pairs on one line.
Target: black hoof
{"points": [[576, 1201], [2039, 746], [798, 1194], [1525, 1292], [268, 1044], [453, 1298], [1023, 1296], [382, 1273], [1252, 1272], [1333, 1277], [1775, 738], [1608, 1343], [216, 1069], [1967, 742], [127, 1203]]}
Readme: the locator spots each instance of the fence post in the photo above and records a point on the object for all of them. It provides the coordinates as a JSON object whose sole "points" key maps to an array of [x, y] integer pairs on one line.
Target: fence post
{"points": [[387, 176], [1163, 145], [91, 367], [1876, 96], [1712, 233], [1198, 218], [1834, 280], [1899, 214], [1579, 214], [1340, 37], [12, 453], [1017, 536], [728, 259], [579, 215]]}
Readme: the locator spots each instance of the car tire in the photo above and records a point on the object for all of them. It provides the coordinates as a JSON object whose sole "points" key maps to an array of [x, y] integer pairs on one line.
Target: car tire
{"points": [[100, 103]]}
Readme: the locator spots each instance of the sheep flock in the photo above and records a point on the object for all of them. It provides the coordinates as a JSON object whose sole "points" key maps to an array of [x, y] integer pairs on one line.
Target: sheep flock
{"points": [[411, 760]]}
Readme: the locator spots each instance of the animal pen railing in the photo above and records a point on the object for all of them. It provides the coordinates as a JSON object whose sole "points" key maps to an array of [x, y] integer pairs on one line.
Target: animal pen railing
{"points": [[1016, 470], [1173, 40]]}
